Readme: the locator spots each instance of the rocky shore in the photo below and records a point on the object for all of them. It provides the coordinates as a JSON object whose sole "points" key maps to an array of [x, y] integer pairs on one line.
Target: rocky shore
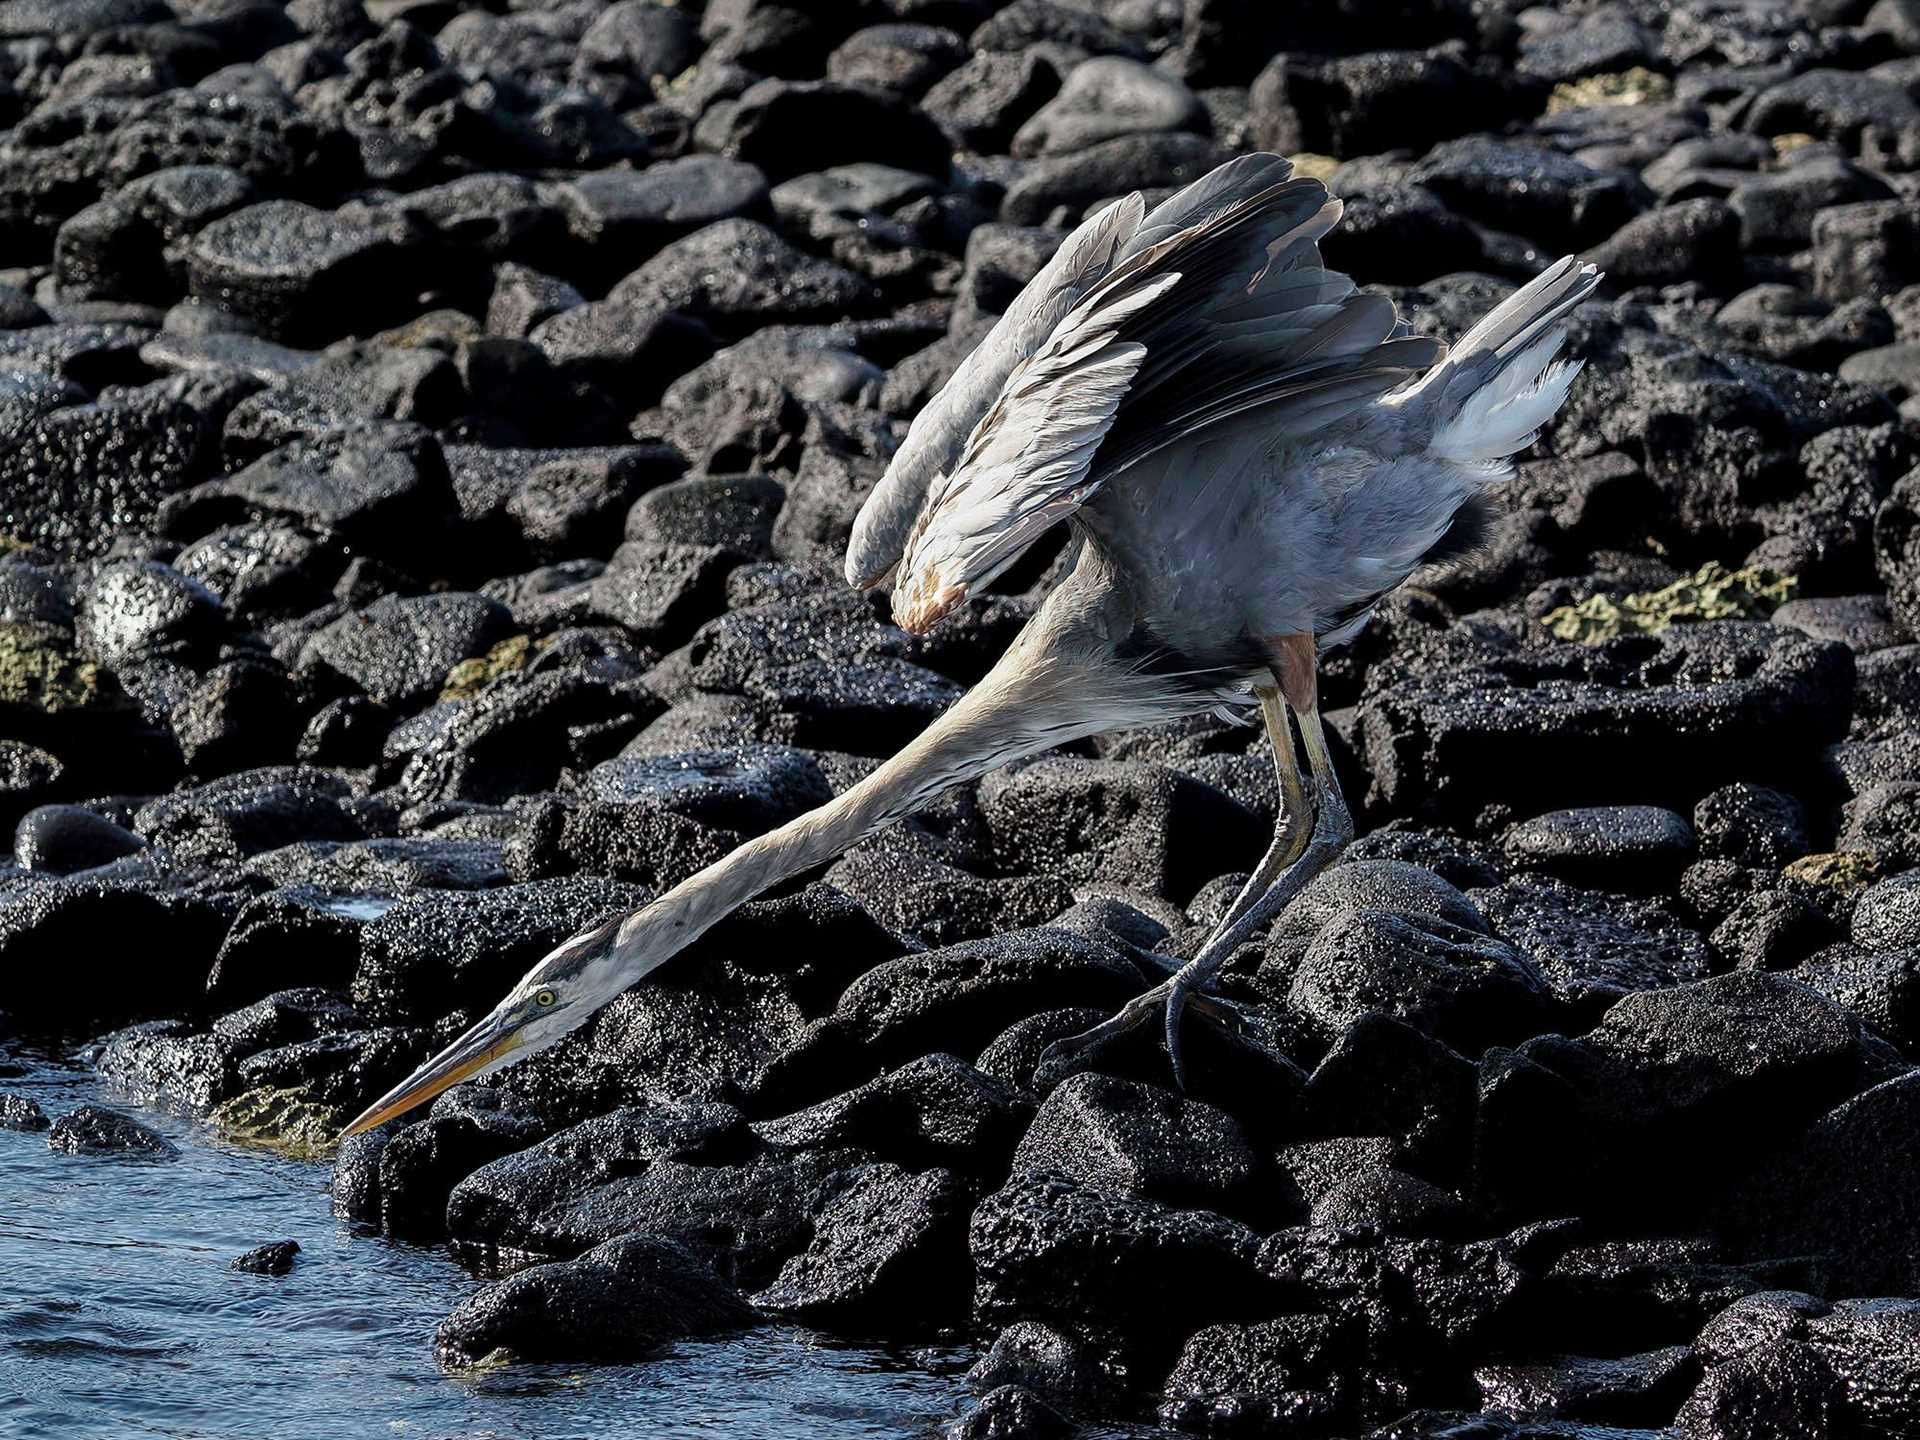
{"points": [[431, 434]]}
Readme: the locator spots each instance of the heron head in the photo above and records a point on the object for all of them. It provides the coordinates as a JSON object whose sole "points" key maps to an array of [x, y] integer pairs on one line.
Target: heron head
{"points": [[558, 995]]}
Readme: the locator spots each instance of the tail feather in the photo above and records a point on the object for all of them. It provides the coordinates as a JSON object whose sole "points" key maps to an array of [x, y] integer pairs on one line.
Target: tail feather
{"points": [[1502, 382]]}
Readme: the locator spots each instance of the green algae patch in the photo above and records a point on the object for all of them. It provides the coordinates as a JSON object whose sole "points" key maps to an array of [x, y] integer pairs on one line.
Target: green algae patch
{"points": [[1638, 86], [471, 676], [1842, 871], [289, 1121], [1712, 592], [41, 670]]}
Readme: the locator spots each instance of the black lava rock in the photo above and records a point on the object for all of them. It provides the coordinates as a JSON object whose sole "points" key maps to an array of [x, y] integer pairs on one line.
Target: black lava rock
{"points": [[1124, 1138], [17, 1112], [61, 839], [1623, 847], [885, 1241], [96, 1130], [274, 1259], [619, 1301]]}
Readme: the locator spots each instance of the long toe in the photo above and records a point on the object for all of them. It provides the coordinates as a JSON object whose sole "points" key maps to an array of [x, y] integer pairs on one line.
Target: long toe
{"points": [[1076, 1052]]}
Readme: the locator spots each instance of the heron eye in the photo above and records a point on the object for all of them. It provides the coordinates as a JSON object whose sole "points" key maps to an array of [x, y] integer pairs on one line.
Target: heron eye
{"points": [[544, 998]]}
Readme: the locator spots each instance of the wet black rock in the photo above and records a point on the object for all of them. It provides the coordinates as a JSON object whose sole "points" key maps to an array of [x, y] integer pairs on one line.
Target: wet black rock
{"points": [[1671, 1088], [1531, 190], [886, 1243], [1065, 185], [1039, 1358], [292, 270], [1789, 1357], [467, 1128], [1896, 547], [1751, 825], [620, 1301], [439, 950], [1118, 821], [1384, 1077], [1124, 1138], [28, 775], [400, 653], [1457, 984], [150, 941], [138, 609], [1772, 930], [1366, 103], [788, 127], [166, 1062], [264, 570], [624, 347], [1620, 847], [905, 59], [731, 512], [1888, 914], [1106, 98], [983, 102], [274, 1259], [1272, 1375], [1352, 1184], [96, 1130], [1693, 241], [1010, 1412], [956, 998], [1640, 720], [254, 810], [380, 485], [1364, 883], [746, 789], [17, 1112], [1632, 1390], [1046, 1247], [934, 1111], [737, 275], [127, 246]]}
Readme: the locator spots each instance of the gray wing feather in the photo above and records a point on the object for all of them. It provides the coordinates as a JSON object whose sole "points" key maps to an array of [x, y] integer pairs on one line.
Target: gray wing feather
{"points": [[1026, 463], [1210, 317], [941, 428], [1507, 330]]}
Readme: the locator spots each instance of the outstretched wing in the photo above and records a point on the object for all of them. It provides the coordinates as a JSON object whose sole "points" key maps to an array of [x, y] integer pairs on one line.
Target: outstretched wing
{"points": [[1025, 464], [938, 432]]}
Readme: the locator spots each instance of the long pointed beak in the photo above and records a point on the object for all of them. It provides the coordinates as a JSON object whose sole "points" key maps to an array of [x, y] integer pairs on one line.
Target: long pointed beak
{"points": [[487, 1042]]}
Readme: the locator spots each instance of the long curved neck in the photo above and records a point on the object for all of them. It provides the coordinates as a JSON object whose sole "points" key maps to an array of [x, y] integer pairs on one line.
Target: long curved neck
{"points": [[1057, 682]]}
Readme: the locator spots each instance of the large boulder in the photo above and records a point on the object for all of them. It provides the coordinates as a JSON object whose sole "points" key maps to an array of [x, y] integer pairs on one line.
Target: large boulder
{"points": [[618, 1302], [1657, 720]]}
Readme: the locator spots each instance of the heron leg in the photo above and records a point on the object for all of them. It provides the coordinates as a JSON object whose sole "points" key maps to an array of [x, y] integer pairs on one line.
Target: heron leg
{"points": [[1332, 832], [1290, 833], [1295, 857]]}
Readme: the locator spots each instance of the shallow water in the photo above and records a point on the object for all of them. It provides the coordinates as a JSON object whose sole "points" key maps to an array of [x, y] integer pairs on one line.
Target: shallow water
{"points": [[119, 1316]]}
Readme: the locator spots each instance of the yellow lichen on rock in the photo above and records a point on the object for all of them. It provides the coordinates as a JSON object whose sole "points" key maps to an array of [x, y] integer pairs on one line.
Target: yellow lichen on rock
{"points": [[1712, 592], [288, 1120], [1638, 86], [1315, 166], [1844, 871], [40, 670], [473, 675]]}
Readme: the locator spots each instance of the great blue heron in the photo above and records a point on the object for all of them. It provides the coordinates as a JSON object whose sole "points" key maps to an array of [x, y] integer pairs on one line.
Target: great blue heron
{"points": [[1250, 453]]}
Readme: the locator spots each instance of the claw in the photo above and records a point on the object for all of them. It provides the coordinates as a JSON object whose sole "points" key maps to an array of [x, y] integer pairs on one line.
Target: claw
{"points": [[1058, 1059], [1178, 991]]}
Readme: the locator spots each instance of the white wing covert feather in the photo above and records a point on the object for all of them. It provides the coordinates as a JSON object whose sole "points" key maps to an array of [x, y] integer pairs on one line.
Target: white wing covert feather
{"points": [[935, 438], [1026, 463]]}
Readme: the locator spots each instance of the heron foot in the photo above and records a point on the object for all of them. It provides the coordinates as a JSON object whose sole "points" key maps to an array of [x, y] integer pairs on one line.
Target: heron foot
{"points": [[1064, 1057]]}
